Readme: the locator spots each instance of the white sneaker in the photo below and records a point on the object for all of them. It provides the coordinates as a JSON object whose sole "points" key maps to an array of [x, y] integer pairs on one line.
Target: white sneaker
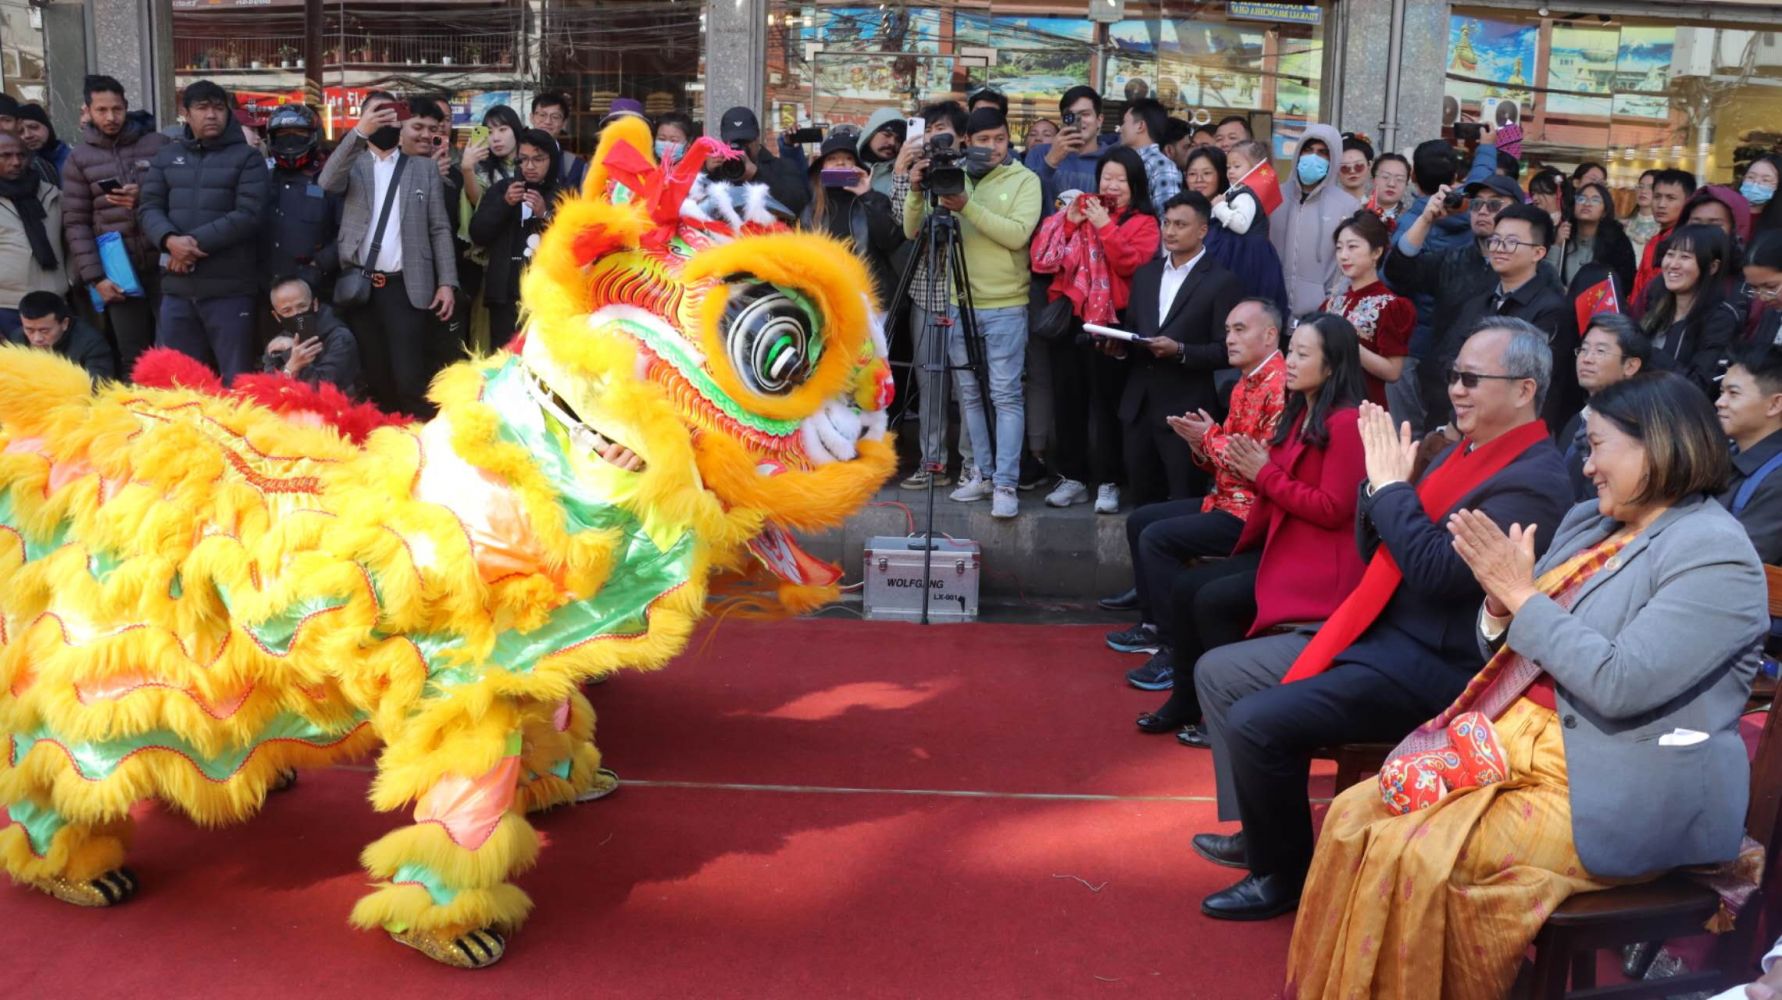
{"points": [[972, 488], [1067, 492], [1005, 503], [1107, 499]]}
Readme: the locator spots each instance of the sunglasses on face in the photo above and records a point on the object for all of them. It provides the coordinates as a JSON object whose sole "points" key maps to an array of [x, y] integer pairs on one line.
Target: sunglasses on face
{"points": [[1471, 380], [1492, 207], [1353, 168]]}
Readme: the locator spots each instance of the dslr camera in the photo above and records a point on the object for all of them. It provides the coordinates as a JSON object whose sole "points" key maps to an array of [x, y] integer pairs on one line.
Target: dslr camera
{"points": [[733, 170], [945, 174]]}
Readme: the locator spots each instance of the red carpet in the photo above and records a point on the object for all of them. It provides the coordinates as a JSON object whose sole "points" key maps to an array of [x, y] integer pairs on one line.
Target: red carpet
{"points": [[679, 886]]}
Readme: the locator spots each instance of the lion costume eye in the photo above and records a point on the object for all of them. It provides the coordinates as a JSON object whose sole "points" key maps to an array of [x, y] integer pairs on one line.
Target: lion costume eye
{"points": [[772, 337]]}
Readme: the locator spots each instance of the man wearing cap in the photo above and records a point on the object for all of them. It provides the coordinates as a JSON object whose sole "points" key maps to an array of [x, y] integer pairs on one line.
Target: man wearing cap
{"points": [[1501, 274], [9, 114], [880, 142], [742, 130], [1068, 162], [49, 151], [203, 203], [997, 215]]}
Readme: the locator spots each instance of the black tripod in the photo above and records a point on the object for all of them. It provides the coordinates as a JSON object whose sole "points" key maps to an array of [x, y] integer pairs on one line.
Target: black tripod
{"points": [[939, 240]]}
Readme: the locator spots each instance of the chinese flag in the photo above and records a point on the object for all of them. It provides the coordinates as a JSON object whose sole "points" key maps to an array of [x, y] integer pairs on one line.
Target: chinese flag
{"points": [[1598, 298], [1262, 180]]}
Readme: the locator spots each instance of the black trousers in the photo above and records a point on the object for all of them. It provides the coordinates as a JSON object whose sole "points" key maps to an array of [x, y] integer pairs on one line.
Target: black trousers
{"points": [[396, 349], [1159, 464], [504, 319], [1211, 604], [1270, 735], [1086, 387], [1163, 537]]}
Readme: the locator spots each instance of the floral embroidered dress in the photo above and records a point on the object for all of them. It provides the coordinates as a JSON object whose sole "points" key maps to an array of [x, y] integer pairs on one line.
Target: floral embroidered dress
{"points": [[1382, 318]]}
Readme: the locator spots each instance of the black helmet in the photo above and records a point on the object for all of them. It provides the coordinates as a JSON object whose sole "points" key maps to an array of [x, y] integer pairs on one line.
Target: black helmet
{"points": [[292, 134]]}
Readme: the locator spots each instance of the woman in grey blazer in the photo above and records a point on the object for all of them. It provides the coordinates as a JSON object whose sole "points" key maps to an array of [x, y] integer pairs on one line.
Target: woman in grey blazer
{"points": [[1620, 663]]}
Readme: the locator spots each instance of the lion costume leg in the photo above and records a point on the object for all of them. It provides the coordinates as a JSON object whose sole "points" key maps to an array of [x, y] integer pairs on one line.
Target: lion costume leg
{"points": [[444, 883], [561, 762], [80, 863]]}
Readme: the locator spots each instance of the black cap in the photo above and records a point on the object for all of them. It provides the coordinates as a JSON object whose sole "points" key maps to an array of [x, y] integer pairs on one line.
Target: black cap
{"points": [[839, 141], [33, 113], [985, 119], [739, 125], [9, 106], [1501, 185]]}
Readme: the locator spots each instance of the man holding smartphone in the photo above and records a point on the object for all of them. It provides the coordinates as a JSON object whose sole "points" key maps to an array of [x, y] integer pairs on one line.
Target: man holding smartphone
{"points": [[1068, 162], [101, 182]]}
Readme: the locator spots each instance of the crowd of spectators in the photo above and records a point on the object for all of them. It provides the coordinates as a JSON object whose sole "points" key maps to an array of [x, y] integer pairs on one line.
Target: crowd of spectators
{"points": [[1384, 425]]}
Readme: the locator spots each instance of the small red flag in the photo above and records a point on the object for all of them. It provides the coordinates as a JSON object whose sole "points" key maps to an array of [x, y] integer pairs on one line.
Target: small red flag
{"points": [[1267, 187], [1598, 298]]}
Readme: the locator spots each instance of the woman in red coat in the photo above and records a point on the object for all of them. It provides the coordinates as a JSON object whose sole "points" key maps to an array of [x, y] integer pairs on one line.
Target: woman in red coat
{"points": [[1300, 535]]}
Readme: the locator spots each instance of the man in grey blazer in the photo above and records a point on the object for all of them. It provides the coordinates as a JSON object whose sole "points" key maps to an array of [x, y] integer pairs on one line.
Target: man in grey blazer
{"points": [[415, 271]]}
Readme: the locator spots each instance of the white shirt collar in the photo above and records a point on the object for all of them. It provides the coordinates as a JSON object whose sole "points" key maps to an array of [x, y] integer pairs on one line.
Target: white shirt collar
{"points": [[1169, 265]]}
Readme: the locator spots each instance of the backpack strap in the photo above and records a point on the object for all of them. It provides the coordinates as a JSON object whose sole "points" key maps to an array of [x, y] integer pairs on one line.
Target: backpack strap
{"points": [[1749, 486]]}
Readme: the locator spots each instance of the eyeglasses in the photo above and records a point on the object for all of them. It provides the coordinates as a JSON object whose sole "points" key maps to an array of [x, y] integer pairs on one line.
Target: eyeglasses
{"points": [[1472, 379], [1508, 244], [1353, 168], [1598, 351], [1590, 202], [1493, 206], [535, 161], [1769, 293]]}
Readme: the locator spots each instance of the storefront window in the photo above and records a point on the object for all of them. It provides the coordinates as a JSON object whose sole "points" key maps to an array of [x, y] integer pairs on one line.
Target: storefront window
{"points": [[832, 64], [21, 50], [1633, 93]]}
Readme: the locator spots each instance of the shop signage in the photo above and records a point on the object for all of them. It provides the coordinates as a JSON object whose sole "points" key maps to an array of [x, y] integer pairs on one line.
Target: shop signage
{"points": [[1286, 13]]}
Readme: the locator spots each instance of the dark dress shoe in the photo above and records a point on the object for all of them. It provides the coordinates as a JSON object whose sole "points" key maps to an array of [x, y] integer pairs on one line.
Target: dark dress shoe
{"points": [[1156, 722], [1194, 736], [1120, 602], [1223, 849], [1257, 897]]}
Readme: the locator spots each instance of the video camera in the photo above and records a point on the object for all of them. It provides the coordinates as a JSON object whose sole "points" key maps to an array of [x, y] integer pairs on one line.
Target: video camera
{"points": [[946, 171]]}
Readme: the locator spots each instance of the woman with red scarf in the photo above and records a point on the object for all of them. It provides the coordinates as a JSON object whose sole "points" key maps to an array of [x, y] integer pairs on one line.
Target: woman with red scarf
{"points": [[1091, 249]]}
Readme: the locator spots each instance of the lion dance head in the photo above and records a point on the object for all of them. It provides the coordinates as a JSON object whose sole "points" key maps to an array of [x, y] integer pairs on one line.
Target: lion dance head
{"points": [[742, 361]]}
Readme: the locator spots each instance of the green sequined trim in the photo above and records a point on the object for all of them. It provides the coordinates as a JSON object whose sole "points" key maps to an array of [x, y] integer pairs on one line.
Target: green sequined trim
{"points": [[97, 760]]}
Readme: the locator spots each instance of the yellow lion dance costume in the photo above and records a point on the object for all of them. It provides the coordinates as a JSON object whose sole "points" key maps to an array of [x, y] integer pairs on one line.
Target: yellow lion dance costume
{"points": [[198, 594]]}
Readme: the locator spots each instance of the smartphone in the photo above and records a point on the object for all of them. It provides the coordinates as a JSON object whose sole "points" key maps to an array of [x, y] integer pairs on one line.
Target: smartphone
{"points": [[913, 128], [1070, 119], [810, 133], [1086, 200], [110, 184], [1467, 131], [840, 177], [479, 134]]}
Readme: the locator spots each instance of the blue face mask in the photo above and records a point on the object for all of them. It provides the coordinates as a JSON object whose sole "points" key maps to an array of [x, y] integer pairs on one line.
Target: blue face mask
{"points": [[1756, 194], [666, 151], [1312, 168]]}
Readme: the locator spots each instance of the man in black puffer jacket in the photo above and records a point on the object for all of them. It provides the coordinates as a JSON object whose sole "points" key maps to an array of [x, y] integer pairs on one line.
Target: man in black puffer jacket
{"points": [[203, 202]]}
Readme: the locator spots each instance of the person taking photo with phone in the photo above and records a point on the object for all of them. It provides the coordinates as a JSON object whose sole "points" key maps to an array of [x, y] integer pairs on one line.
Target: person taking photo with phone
{"points": [[313, 345], [1068, 162], [844, 205], [507, 226]]}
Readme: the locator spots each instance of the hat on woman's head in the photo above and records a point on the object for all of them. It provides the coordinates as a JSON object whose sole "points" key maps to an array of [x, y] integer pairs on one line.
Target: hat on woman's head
{"points": [[842, 139]]}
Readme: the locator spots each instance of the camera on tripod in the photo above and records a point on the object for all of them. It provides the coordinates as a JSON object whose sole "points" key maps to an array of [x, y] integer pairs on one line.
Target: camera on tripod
{"points": [[946, 170]]}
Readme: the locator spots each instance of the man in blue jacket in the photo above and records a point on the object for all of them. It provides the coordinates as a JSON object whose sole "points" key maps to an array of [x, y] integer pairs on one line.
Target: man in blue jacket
{"points": [[1068, 162], [203, 204], [1382, 676]]}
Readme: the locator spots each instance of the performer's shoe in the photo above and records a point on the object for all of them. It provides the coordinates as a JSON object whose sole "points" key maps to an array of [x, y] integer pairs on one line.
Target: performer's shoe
{"points": [[1221, 849], [287, 779], [470, 950], [605, 783], [109, 889], [1257, 897]]}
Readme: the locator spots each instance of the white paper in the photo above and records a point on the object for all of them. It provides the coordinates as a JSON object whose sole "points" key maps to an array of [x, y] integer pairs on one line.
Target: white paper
{"points": [[1111, 333], [1681, 738]]}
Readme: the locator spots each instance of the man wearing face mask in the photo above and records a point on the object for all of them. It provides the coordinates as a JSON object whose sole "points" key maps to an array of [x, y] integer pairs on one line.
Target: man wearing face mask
{"points": [[203, 204], [414, 274], [1303, 229], [312, 345], [997, 213], [301, 219]]}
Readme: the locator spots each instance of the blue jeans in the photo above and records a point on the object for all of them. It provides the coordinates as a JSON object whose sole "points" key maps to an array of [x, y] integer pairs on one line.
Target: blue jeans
{"points": [[1005, 349]]}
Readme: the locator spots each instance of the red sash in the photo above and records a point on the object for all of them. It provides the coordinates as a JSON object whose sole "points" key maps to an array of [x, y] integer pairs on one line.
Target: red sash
{"points": [[1439, 491]]}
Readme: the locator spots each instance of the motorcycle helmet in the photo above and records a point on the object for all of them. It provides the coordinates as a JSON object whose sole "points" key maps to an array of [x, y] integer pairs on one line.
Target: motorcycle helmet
{"points": [[292, 133]]}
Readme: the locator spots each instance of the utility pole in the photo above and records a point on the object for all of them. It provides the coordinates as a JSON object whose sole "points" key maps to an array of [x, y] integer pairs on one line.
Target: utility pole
{"points": [[313, 94]]}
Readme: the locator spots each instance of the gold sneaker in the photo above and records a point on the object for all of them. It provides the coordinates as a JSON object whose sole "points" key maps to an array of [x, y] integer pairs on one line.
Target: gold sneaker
{"points": [[109, 889], [605, 783], [470, 950]]}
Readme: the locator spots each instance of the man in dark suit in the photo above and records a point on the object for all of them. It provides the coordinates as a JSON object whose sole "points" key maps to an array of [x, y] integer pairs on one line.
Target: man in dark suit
{"points": [[1178, 304], [1402, 646], [415, 272]]}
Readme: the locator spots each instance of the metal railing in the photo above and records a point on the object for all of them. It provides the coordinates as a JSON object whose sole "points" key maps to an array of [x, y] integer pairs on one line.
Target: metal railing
{"points": [[273, 52]]}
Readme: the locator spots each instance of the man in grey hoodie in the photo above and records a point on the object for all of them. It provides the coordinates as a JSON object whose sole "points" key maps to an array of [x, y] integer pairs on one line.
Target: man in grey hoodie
{"points": [[1302, 229], [880, 142]]}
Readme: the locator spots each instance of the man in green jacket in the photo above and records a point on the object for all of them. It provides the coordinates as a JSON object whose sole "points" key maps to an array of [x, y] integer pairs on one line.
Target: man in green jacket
{"points": [[997, 215]]}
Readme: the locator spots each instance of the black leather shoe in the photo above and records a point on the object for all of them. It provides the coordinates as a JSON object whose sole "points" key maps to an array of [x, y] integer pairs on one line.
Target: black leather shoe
{"points": [[1194, 736], [1120, 602], [1257, 897], [1156, 722], [1222, 849]]}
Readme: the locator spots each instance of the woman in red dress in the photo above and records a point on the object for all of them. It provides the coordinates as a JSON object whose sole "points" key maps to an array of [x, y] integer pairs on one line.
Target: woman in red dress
{"points": [[1382, 318]]}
